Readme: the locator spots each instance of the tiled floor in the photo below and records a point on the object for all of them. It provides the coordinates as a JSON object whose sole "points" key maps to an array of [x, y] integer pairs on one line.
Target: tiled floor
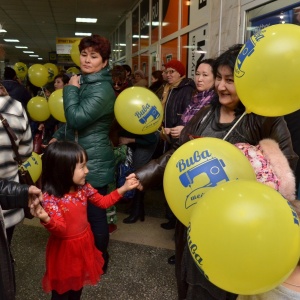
{"points": [[138, 267]]}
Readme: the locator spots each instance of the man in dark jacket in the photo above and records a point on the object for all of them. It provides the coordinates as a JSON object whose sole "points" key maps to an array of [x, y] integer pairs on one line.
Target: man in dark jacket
{"points": [[12, 195], [14, 88]]}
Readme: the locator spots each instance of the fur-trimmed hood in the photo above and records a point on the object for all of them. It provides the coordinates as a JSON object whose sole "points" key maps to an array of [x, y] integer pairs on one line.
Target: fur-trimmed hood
{"points": [[271, 166]]}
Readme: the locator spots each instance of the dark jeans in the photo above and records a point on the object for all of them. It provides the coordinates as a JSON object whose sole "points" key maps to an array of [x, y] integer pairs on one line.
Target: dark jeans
{"points": [[99, 226], [69, 295]]}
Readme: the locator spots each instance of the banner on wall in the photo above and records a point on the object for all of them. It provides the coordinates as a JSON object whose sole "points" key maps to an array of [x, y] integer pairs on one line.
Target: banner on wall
{"points": [[198, 45]]}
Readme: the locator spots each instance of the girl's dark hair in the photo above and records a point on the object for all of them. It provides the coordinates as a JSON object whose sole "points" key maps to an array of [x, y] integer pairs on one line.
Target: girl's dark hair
{"points": [[158, 75], [65, 78], [58, 165], [99, 43], [208, 61]]}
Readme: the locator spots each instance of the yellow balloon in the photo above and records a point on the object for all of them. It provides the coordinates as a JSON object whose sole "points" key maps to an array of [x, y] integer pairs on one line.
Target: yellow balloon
{"points": [[198, 166], [21, 70], [138, 110], [52, 71], [73, 70], [266, 71], [38, 75], [34, 166], [56, 105], [38, 109], [244, 236], [75, 54]]}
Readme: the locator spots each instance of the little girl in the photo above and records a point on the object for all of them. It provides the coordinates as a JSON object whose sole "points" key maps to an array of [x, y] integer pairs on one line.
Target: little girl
{"points": [[72, 260]]}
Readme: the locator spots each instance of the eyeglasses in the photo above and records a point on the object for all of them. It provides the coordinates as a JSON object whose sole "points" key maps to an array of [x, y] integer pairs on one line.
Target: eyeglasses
{"points": [[117, 84], [169, 71]]}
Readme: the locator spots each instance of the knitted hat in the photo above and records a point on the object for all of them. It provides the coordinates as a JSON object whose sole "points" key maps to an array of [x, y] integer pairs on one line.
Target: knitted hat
{"points": [[176, 65]]}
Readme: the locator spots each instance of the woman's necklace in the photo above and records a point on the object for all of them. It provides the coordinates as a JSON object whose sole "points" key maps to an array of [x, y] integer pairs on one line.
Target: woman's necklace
{"points": [[296, 285]]}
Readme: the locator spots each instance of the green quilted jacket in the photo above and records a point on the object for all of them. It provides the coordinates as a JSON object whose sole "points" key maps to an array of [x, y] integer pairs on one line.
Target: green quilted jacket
{"points": [[89, 112]]}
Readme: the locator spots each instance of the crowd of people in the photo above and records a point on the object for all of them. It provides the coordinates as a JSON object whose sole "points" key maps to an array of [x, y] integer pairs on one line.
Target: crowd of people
{"points": [[79, 163]]}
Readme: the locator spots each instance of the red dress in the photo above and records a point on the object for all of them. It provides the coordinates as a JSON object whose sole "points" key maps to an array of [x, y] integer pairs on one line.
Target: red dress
{"points": [[72, 260]]}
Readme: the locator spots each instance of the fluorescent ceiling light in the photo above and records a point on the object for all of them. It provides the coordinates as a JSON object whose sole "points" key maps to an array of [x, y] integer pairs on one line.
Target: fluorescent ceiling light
{"points": [[11, 40], [2, 30], [28, 52], [40, 58], [154, 23], [83, 33], [21, 47], [142, 36], [33, 55], [86, 20]]}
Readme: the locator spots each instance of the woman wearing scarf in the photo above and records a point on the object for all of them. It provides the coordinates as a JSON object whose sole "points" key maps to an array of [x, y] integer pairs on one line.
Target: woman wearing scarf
{"points": [[205, 84]]}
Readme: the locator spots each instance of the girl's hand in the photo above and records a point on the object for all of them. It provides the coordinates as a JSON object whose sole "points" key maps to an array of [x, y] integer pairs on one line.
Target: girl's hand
{"points": [[140, 186], [39, 212], [131, 183]]}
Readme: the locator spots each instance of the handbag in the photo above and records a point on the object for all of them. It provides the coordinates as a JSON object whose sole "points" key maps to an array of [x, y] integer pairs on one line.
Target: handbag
{"points": [[24, 175]]}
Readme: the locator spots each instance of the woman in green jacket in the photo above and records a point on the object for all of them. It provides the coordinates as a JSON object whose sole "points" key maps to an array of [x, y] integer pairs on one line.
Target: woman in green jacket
{"points": [[89, 110]]}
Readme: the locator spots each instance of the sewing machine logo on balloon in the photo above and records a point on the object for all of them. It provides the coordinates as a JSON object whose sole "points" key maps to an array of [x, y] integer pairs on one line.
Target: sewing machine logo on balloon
{"points": [[138, 110]]}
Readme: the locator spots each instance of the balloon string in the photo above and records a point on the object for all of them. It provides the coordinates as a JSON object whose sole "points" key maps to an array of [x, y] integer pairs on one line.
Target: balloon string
{"points": [[240, 118]]}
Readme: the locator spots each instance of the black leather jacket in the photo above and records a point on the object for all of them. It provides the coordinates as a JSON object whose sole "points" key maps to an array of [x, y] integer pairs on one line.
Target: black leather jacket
{"points": [[12, 195]]}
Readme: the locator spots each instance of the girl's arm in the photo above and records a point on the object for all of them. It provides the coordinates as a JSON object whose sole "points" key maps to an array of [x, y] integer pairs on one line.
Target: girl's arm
{"points": [[110, 199]]}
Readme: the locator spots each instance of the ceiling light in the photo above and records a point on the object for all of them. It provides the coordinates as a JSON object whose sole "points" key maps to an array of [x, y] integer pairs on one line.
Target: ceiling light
{"points": [[33, 55], [83, 33], [40, 58], [28, 52], [21, 47], [86, 20], [11, 40]]}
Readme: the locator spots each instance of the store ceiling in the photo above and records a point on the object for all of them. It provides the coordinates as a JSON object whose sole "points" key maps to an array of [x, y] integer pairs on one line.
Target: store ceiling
{"points": [[37, 24]]}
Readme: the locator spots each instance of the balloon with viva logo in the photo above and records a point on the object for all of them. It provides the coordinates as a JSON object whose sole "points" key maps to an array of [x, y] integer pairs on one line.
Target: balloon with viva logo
{"points": [[266, 71], [198, 166], [244, 237], [138, 110]]}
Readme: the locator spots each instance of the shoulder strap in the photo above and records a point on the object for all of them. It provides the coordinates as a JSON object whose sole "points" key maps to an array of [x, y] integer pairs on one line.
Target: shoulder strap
{"points": [[12, 136]]}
